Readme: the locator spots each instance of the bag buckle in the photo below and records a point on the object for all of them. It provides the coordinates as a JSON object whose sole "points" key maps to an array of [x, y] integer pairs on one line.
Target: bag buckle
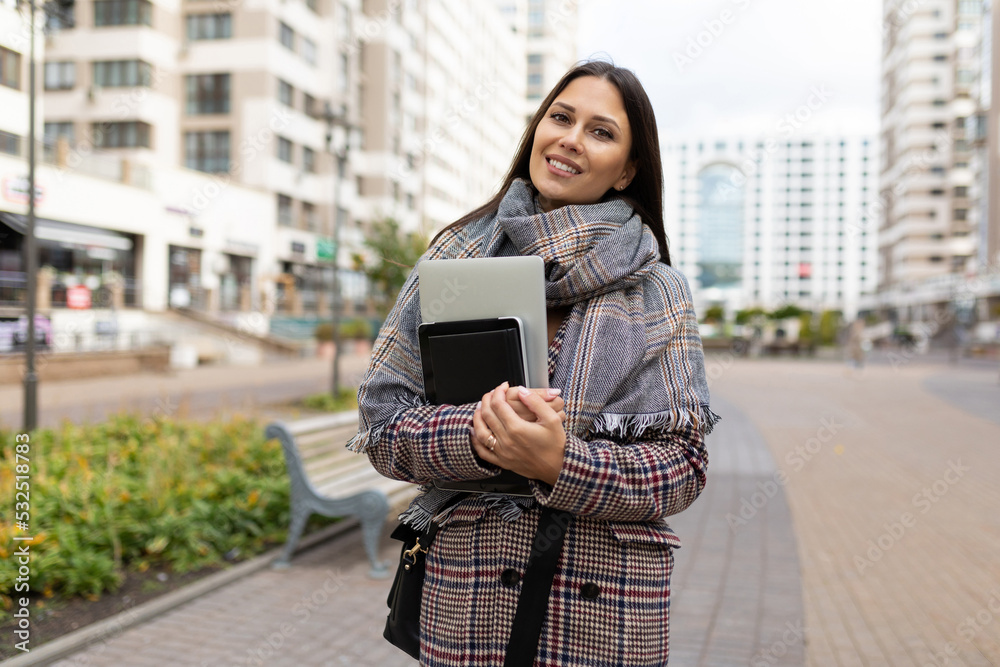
{"points": [[412, 553]]}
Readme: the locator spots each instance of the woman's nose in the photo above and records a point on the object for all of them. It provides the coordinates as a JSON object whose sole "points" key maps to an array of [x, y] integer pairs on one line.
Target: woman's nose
{"points": [[571, 140]]}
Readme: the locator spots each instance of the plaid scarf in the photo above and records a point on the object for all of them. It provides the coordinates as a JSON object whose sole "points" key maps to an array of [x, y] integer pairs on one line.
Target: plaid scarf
{"points": [[624, 367]]}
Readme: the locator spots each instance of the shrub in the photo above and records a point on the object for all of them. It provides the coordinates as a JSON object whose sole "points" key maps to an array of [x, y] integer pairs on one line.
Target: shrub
{"points": [[133, 494], [355, 327], [347, 400]]}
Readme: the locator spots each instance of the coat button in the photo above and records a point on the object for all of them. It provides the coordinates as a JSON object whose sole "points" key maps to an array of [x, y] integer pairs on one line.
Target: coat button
{"points": [[510, 578], [590, 591]]}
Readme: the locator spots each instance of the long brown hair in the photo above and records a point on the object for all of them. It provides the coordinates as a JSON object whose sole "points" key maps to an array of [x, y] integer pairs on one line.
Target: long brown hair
{"points": [[644, 193]]}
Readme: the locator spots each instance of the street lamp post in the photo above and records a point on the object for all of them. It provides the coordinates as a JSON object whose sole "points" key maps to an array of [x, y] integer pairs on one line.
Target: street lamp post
{"points": [[340, 158], [30, 260]]}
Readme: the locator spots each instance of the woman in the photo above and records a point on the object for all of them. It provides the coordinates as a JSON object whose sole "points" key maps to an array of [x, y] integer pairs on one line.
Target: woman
{"points": [[619, 440]]}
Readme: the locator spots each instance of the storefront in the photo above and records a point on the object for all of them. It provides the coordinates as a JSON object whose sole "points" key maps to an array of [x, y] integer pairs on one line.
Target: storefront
{"points": [[71, 259]]}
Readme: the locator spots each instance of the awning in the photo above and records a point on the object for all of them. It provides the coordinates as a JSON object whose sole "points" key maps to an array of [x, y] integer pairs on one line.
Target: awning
{"points": [[65, 232]]}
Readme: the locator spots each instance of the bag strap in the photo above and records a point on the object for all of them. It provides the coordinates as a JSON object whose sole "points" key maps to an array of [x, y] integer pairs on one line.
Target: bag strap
{"points": [[536, 586]]}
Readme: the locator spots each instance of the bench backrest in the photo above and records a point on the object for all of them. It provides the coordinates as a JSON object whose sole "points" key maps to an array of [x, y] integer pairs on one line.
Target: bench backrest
{"points": [[315, 450]]}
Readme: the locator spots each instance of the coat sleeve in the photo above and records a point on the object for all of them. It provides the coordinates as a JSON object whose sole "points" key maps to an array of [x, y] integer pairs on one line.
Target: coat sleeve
{"points": [[429, 442], [638, 480]]}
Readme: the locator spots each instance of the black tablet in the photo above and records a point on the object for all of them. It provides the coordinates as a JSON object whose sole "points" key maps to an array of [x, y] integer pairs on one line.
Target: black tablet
{"points": [[463, 360]]}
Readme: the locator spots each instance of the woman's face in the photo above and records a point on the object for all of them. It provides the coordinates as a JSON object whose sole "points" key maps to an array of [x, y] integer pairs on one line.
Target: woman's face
{"points": [[581, 145]]}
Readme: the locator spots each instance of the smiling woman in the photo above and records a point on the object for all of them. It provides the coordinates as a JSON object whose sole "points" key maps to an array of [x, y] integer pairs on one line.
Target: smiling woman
{"points": [[613, 446], [581, 149]]}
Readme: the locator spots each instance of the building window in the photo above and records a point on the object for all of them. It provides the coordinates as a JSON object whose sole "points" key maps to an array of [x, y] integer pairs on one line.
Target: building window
{"points": [[123, 12], [207, 93], [285, 210], [60, 76], [56, 131], [122, 73], [129, 134], [961, 214], [534, 79], [10, 68], [345, 77], [286, 93], [209, 26], [207, 151], [286, 36], [284, 150], [310, 105], [310, 219], [10, 143], [308, 160], [309, 51]]}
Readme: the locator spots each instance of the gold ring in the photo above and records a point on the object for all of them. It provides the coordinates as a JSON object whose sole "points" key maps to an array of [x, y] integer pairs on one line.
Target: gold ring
{"points": [[491, 442]]}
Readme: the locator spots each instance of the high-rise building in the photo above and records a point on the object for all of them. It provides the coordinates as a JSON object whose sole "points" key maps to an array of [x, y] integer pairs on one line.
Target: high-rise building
{"points": [[936, 207], [550, 28], [928, 65], [987, 143], [14, 44], [237, 90], [339, 112], [768, 221]]}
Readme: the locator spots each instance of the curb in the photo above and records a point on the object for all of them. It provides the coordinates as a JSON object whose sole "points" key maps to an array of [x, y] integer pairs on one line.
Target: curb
{"points": [[115, 625]]}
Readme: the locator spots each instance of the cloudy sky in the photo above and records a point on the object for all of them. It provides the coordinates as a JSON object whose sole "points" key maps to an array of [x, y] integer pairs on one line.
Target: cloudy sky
{"points": [[728, 66]]}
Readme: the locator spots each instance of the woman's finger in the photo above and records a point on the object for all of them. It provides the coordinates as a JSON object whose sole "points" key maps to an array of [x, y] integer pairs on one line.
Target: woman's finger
{"points": [[491, 402]]}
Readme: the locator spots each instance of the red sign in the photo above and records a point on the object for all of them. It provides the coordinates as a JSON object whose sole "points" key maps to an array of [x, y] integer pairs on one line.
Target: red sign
{"points": [[78, 297], [805, 269]]}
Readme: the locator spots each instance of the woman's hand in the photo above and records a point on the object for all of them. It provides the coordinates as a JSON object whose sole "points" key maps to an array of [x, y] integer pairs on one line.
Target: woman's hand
{"points": [[527, 430]]}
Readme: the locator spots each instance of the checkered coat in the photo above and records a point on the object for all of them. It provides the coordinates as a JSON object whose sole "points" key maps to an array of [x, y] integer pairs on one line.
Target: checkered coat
{"points": [[610, 598]]}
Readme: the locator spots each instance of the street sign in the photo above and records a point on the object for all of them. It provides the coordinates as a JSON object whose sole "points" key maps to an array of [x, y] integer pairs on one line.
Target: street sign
{"points": [[78, 297], [325, 249]]}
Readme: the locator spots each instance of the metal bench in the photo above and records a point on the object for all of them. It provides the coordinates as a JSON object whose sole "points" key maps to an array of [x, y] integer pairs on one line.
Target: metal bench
{"points": [[328, 479]]}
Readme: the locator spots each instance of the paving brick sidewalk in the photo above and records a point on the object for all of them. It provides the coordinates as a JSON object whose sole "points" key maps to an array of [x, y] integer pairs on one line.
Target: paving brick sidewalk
{"points": [[204, 392], [736, 593], [894, 494]]}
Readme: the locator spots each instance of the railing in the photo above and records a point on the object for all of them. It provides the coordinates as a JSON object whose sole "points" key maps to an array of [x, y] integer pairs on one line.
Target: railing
{"points": [[13, 291], [13, 288]]}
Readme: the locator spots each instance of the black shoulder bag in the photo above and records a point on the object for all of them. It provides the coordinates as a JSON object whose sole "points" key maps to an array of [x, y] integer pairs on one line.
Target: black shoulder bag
{"points": [[402, 627]]}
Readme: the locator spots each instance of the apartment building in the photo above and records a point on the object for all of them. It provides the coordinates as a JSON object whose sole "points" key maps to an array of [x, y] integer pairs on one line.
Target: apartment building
{"points": [[550, 28], [337, 111], [929, 63], [769, 221], [14, 49], [238, 90], [443, 98]]}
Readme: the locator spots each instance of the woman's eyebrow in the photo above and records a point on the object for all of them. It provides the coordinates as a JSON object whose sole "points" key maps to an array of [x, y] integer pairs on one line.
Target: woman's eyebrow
{"points": [[573, 110]]}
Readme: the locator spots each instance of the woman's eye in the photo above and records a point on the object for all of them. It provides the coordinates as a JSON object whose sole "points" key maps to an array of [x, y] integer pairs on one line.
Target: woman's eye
{"points": [[559, 117], [604, 134]]}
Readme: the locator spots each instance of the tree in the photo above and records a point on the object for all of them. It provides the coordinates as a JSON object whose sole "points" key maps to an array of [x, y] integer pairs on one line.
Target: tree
{"points": [[829, 325], [749, 315], [787, 311], [392, 256], [715, 315]]}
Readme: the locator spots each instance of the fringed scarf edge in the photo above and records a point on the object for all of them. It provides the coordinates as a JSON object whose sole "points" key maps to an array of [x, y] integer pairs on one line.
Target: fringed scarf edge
{"points": [[629, 425]]}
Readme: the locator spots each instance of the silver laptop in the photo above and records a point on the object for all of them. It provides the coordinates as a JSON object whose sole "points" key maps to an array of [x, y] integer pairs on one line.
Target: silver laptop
{"points": [[485, 287]]}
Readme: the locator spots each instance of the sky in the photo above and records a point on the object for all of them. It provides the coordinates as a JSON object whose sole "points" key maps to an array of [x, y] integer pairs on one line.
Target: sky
{"points": [[718, 67]]}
